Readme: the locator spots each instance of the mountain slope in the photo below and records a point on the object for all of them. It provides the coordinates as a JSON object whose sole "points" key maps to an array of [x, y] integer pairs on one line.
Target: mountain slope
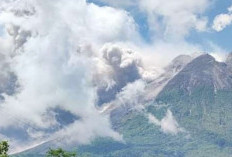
{"points": [[200, 98], [154, 87]]}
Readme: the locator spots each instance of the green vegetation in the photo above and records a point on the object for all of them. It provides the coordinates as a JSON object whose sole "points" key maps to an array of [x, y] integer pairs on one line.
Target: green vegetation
{"points": [[4, 147], [60, 153]]}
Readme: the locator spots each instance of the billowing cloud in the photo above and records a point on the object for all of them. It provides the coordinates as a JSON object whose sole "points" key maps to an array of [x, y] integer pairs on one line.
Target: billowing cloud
{"points": [[175, 18], [123, 67], [221, 21], [131, 96], [169, 25], [169, 19], [84, 131], [52, 51], [168, 124]]}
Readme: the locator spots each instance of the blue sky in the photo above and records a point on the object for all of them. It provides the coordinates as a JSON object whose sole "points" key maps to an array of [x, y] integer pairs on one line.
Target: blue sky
{"points": [[222, 38], [204, 38]]}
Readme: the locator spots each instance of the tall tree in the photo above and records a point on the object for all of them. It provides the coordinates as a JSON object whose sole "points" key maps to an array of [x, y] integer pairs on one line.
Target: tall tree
{"points": [[4, 147]]}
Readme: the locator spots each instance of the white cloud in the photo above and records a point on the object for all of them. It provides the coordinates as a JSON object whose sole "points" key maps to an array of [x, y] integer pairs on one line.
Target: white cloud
{"points": [[119, 3], [92, 23], [132, 94], [169, 24], [121, 66], [53, 61], [222, 21], [85, 131], [219, 57], [174, 19], [169, 19], [168, 124], [230, 9]]}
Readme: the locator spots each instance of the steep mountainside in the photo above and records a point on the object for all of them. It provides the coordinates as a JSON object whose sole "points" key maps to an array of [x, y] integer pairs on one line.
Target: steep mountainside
{"points": [[200, 99], [154, 87]]}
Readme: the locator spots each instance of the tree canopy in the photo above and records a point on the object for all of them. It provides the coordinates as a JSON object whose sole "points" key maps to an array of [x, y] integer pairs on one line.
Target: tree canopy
{"points": [[60, 153], [4, 147]]}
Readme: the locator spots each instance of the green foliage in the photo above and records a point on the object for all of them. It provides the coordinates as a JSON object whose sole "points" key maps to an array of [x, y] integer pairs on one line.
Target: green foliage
{"points": [[4, 147], [60, 153]]}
